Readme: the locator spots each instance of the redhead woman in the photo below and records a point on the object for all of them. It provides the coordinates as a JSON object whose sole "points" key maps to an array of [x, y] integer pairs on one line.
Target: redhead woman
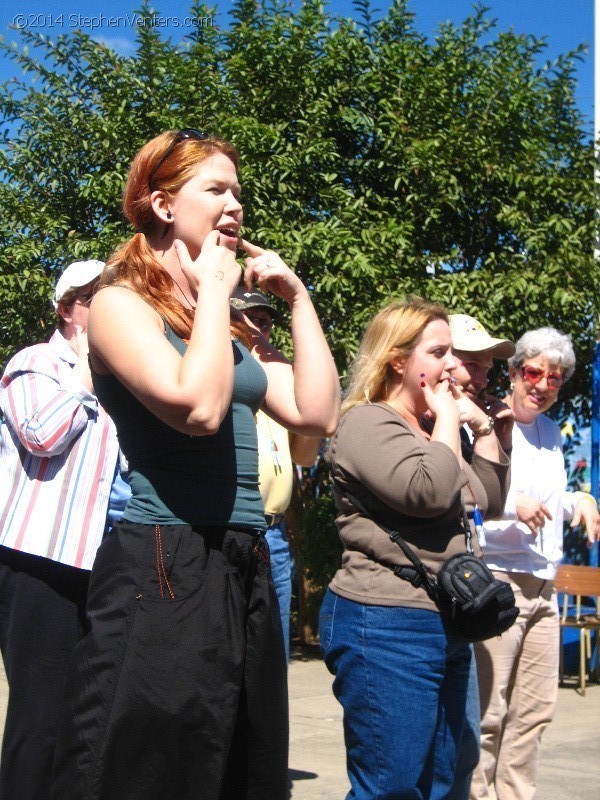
{"points": [[179, 690], [518, 673], [400, 674]]}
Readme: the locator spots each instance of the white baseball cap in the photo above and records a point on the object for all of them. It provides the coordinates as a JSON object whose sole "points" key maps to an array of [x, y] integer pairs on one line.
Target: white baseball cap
{"points": [[80, 273], [470, 336]]}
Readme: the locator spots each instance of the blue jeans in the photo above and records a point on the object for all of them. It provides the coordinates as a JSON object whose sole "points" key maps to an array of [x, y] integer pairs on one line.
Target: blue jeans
{"points": [[403, 682], [468, 756], [281, 571]]}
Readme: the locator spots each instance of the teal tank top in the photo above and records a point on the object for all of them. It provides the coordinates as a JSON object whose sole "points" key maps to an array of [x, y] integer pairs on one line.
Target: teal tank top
{"points": [[200, 480]]}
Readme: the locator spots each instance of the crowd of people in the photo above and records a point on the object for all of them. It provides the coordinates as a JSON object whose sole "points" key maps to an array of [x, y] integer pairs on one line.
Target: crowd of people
{"points": [[146, 465]]}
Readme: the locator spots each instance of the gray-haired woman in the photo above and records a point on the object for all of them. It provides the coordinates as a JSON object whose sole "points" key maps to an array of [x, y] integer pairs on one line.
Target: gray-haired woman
{"points": [[518, 673]]}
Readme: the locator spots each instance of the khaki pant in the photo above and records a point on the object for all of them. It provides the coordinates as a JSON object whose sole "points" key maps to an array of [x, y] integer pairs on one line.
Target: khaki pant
{"points": [[518, 688]]}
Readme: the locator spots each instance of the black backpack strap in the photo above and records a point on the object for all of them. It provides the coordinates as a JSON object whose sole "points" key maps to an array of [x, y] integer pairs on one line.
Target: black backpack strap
{"points": [[418, 574]]}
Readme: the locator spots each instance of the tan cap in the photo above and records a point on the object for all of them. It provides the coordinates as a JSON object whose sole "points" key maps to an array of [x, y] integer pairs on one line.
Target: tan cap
{"points": [[470, 336]]}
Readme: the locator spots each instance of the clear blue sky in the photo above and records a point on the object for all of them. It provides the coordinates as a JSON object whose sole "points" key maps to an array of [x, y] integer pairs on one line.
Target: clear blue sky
{"points": [[564, 23]]}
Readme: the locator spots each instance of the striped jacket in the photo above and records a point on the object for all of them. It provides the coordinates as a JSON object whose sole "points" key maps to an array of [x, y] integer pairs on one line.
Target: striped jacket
{"points": [[58, 455]]}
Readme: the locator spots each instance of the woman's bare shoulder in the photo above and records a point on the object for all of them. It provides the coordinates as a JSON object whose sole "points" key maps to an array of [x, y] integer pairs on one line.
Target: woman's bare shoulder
{"points": [[120, 297]]}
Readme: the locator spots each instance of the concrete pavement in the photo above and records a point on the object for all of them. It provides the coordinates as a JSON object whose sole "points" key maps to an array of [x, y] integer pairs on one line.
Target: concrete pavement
{"points": [[570, 757], [570, 767]]}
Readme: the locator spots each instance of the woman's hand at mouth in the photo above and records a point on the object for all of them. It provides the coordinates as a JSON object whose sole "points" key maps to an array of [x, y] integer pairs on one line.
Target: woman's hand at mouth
{"points": [[440, 399], [270, 272], [215, 264]]}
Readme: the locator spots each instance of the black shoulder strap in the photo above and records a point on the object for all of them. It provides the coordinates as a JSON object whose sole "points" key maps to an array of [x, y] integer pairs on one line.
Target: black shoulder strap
{"points": [[418, 574]]}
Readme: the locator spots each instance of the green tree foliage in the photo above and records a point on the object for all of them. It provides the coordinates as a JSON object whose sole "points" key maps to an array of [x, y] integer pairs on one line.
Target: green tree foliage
{"points": [[316, 547], [376, 162]]}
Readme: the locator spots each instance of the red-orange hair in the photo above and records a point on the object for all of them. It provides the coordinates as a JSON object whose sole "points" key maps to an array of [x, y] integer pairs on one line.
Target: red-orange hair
{"points": [[134, 263]]}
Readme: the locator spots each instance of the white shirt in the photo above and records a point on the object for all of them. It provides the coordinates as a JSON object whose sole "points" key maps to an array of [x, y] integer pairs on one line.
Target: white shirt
{"points": [[537, 470]]}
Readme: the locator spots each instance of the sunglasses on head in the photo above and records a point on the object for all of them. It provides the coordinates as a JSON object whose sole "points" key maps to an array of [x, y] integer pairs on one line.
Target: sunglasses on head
{"points": [[534, 375], [180, 136]]}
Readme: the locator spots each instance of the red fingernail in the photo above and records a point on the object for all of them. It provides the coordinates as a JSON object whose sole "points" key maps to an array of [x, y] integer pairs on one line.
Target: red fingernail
{"points": [[423, 384]]}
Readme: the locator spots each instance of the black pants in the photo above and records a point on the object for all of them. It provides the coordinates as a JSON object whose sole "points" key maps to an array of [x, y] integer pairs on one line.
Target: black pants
{"points": [[42, 617], [179, 691]]}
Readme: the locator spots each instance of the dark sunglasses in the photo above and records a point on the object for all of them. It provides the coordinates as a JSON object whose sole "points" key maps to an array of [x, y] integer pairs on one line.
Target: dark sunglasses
{"points": [[85, 299], [534, 375], [262, 323], [180, 136]]}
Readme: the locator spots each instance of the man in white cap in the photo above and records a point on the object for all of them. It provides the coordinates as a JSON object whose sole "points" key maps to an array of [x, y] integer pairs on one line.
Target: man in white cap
{"points": [[58, 460], [475, 351]]}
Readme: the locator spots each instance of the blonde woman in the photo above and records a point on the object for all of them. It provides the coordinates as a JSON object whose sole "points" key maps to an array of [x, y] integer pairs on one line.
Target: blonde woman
{"points": [[400, 675]]}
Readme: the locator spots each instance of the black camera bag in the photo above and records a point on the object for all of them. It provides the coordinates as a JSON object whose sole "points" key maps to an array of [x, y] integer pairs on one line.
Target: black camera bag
{"points": [[474, 604], [478, 605]]}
